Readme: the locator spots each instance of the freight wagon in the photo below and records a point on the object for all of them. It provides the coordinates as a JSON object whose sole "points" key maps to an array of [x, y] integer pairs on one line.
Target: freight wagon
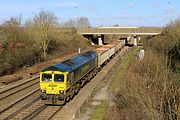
{"points": [[105, 53]]}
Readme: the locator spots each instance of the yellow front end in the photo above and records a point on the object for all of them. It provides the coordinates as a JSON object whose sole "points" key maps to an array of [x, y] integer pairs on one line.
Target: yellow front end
{"points": [[53, 85]]}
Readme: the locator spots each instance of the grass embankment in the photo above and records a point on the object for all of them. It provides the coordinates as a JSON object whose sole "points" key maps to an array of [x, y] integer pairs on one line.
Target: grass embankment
{"points": [[126, 61], [100, 111]]}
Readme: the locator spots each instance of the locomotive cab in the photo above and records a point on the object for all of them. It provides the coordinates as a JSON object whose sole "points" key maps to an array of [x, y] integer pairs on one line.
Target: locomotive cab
{"points": [[53, 85]]}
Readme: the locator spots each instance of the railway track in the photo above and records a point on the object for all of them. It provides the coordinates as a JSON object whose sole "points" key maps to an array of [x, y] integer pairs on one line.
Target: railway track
{"points": [[18, 96], [19, 110], [11, 94], [20, 85], [21, 103], [36, 111], [48, 113], [29, 110]]}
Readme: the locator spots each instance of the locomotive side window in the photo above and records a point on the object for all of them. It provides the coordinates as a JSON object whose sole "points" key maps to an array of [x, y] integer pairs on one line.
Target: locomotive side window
{"points": [[46, 77], [58, 78]]}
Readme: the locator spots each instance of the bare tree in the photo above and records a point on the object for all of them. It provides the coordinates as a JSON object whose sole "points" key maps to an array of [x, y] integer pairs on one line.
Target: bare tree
{"points": [[70, 23], [79, 22], [83, 22], [42, 25]]}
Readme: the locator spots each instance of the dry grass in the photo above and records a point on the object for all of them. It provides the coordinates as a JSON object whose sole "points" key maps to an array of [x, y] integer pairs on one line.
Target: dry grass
{"points": [[151, 89]]}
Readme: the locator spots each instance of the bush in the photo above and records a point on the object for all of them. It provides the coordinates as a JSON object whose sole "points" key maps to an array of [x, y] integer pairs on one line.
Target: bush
{"points": [[151, 85], [20, 46], [17, 48]]}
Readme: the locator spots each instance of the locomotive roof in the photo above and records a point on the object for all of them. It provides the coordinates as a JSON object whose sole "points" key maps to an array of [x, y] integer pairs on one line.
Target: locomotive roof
{"points": [[72, 63]]}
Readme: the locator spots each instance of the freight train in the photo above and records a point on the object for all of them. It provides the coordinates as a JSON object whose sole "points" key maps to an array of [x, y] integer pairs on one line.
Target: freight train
{"points": [[61, 82]]}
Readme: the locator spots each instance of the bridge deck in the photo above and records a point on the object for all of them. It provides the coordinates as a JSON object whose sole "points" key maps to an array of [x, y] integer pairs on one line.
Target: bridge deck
{"points": [[127, 31]]}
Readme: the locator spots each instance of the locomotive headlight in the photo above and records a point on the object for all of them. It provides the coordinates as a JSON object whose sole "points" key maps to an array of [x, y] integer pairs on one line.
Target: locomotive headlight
{"points": [[43, 91], [61, 91]]}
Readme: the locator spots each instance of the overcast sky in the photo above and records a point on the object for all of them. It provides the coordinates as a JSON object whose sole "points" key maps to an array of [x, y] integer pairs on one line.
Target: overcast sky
{"points": [[99, 12]]}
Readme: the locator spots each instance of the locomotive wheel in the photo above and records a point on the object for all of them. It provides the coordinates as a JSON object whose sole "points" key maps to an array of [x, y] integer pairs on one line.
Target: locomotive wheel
{"points": [[72, 94], [94, 73], [82, 83], [77, 90], [87, 78]]}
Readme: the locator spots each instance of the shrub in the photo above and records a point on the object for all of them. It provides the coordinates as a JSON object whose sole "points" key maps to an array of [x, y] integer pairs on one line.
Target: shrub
{"points": [[17, 48], [151, 85], [23, 46]]}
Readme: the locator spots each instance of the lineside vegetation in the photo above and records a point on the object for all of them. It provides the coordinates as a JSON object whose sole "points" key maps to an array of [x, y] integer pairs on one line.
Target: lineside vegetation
{"points": [[151, 87], [39, 39]]}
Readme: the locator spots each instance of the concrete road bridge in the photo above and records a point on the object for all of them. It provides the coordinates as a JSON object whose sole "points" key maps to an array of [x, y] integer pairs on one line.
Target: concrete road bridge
{"points": [[130, 32], [121, 30]]}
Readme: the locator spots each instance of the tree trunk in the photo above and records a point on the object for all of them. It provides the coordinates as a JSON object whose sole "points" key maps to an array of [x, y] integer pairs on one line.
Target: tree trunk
{"points": [[45, 53]]}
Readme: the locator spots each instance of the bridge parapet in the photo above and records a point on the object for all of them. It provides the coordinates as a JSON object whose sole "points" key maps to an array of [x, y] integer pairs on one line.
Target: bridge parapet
{"points": [[119, 30]]}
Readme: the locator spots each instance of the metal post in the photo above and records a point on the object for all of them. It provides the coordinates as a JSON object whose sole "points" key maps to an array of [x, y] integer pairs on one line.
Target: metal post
{"points": [[99, 40], [135, 40], [79, 50]]}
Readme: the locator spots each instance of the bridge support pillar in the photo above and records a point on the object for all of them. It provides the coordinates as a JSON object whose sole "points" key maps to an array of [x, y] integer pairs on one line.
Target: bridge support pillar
{"points": [[139, 38], [128, 38], [135, 40], [100, 42]]}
